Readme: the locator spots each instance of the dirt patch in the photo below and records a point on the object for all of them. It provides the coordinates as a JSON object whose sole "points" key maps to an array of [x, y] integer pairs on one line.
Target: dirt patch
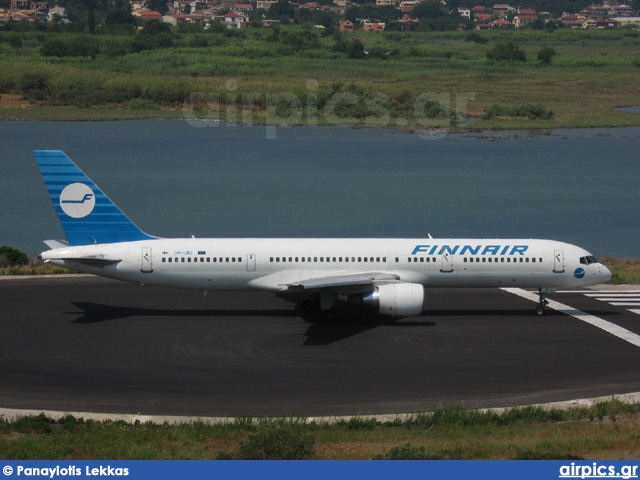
{"points": [[10, 100]]}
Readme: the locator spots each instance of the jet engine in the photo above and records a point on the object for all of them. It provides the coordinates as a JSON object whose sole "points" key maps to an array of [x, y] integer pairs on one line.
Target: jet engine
{"points": [[393, 299]]}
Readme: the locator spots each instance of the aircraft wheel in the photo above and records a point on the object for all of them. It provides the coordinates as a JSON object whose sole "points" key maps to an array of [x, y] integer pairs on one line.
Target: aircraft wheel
{"points": [[540, 311]]}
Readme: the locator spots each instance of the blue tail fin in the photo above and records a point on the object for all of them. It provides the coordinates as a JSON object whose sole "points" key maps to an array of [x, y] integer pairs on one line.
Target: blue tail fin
{"points": [[86, 214]]}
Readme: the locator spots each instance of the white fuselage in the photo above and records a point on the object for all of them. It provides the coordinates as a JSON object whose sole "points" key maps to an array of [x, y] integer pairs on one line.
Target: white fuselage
{"points": [[276, 264]]}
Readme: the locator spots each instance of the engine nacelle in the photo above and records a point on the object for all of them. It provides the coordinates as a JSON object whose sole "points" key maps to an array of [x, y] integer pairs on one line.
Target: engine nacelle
{"points": [[394, 299]]}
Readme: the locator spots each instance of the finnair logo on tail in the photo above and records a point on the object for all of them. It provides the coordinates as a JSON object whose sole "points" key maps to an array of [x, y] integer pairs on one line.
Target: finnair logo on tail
{"points": [[77, 200], [84, 199]]}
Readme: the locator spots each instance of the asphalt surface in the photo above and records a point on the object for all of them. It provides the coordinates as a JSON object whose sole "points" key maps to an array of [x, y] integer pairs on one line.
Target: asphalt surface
{"points": [[90, 344]]}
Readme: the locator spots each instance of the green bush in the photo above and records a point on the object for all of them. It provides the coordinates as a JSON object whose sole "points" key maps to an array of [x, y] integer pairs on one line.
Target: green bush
{"points": [[532, 111], [546, 54], [33, 81], [142, 104], [283, 440], [507, 52], [475, 37], [79, 46], [10, 257]]}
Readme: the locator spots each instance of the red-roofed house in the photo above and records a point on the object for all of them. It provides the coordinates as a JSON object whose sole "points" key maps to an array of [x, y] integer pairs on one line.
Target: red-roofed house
{"points": [[147, 15], [481, 9], [482, 18], [526, 11], [501, 24], [236, 20], [522, 21], [347, 26], [373, 27], [503, 9]]}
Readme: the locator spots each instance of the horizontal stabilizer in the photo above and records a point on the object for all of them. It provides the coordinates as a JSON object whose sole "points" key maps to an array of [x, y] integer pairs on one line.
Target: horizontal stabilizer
{"points": [[93, 261], [53, 244]]}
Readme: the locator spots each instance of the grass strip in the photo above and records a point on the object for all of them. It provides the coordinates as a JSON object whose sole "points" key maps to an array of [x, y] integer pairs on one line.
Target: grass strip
{"points": [[605, 430]]}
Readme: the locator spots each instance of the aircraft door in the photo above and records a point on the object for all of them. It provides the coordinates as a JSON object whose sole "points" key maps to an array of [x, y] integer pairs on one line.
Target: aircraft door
{"points": [[251, 262], [558, 261], [447, 262], [147, 261]]}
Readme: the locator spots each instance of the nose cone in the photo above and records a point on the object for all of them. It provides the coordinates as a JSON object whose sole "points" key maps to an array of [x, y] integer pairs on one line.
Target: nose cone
{"points": [[605, 274]]}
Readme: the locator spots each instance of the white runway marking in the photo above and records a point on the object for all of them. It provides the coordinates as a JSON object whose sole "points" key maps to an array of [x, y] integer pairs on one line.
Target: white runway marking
{"points": [[617, 298], [600, 323]]}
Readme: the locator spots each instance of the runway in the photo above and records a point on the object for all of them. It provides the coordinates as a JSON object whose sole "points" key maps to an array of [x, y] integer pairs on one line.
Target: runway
{"points": [[91, 344]]}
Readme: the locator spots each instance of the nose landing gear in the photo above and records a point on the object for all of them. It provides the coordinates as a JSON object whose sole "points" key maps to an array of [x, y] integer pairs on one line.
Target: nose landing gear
{"points": [[541, 309]]}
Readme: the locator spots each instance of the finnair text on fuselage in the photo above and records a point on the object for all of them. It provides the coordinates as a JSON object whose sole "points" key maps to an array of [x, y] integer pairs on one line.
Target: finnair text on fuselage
{"points": [[471, 249]]}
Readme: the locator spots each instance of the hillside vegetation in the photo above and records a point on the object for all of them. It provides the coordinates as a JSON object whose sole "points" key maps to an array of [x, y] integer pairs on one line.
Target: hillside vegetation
{"points": [[302, 75]]}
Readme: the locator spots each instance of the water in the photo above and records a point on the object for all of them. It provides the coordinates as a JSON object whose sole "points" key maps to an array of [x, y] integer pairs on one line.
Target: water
{"points": [[173, 179]]}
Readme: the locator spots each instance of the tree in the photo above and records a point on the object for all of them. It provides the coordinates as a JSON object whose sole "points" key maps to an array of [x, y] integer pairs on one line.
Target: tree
{"points": [[91, 22], [430, 10], [12, 256], [158, 6], [155, 27], [120, 16], [507, 52], [282, 8], [355, 49], [546, 54], [538, 24]]}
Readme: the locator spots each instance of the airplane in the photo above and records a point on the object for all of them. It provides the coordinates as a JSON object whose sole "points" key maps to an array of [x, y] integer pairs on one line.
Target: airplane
{"points": [[387, 275]]}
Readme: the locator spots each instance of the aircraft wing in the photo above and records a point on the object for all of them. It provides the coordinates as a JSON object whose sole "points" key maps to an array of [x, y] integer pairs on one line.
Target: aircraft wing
{"points": [[338, 281]]}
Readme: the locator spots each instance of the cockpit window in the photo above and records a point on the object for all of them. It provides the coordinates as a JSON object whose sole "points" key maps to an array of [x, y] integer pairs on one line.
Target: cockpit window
{"points": [[588, 260]]}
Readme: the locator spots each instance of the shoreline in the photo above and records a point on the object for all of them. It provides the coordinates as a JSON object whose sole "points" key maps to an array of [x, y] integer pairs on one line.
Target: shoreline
{"points": [[532, 130]]}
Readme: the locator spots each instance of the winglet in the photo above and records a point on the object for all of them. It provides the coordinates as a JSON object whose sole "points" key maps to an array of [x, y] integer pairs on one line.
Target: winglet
{"points": [[87, 215]]}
